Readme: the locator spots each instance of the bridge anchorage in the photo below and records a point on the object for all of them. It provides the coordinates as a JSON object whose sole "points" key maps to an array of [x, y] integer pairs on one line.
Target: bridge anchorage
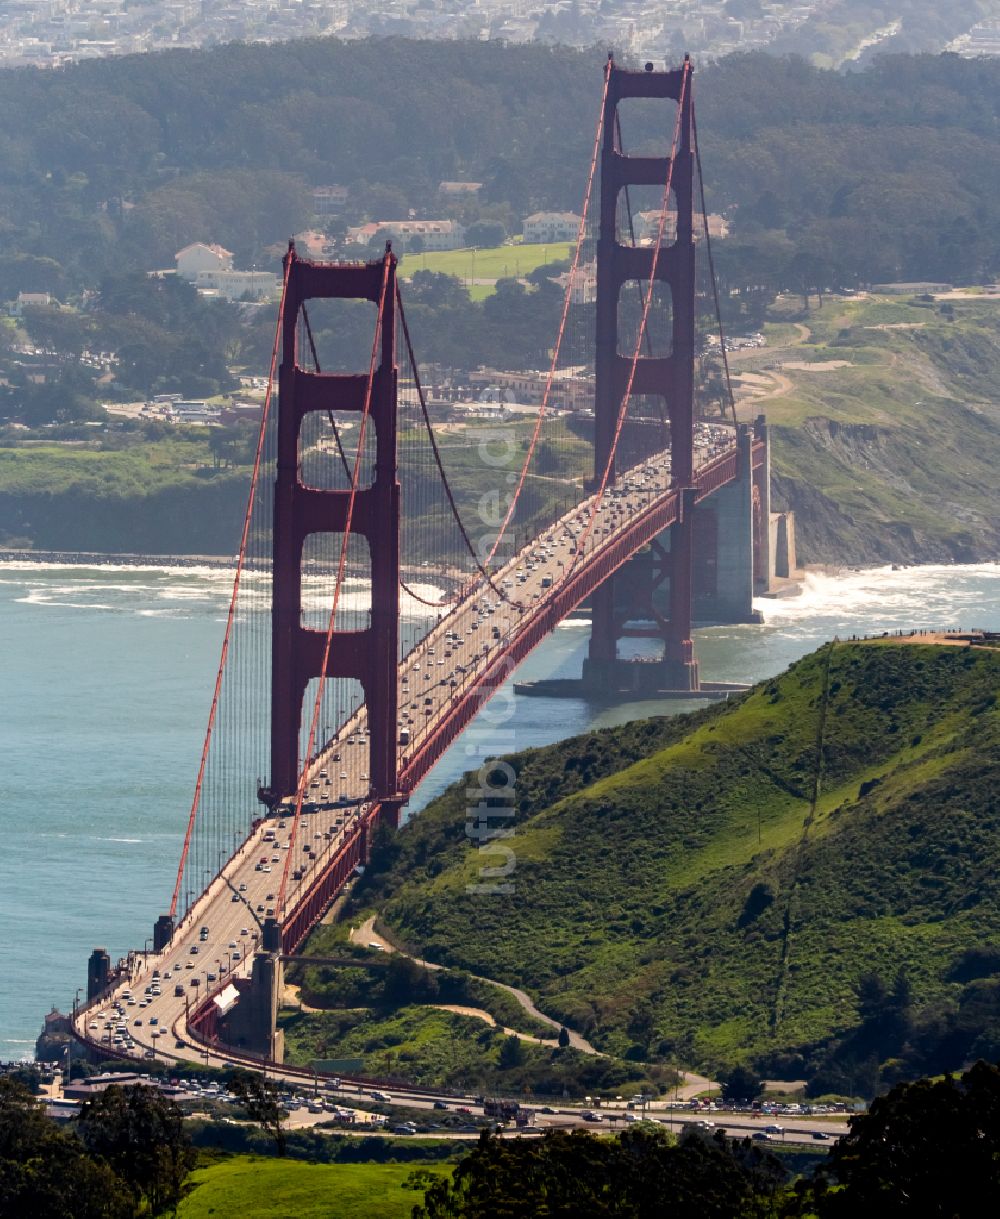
{"points": [[678, 532]]}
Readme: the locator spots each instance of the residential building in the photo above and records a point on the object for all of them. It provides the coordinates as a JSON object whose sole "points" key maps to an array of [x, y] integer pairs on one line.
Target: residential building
{"points": [[542, 227], [239, 285], [199, 257], [584, 288], [572, 389], [433, 234], [459, 190], [328, 200], [647, 224], [31, 300]]}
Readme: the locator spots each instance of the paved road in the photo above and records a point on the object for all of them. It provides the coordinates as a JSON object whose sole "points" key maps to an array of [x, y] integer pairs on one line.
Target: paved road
{"points": [[218, 936]]}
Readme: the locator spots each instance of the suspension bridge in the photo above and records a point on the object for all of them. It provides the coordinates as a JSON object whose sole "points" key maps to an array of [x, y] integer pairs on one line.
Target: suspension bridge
{"points": [[387, 585]]}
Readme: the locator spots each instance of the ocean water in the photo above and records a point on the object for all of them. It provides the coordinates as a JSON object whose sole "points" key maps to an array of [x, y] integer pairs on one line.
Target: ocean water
{"points": [[106, 682]]}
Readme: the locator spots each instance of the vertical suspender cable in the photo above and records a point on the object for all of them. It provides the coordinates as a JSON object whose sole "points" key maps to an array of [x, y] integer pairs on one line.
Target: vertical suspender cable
{"points": [[230, 618], [711, 268]]}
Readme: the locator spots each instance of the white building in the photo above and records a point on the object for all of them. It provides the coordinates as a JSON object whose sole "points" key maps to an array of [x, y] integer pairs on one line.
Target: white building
{"points": [[199, 257], [647, 224], [328, 200], [239, 285], [542, 227], [433, 234]]}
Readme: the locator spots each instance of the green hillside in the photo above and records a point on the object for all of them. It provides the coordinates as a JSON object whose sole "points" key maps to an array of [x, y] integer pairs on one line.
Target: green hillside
{"points": [[805, 876]]}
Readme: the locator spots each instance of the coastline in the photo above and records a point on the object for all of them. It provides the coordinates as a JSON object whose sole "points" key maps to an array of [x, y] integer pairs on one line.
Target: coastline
{"points": [[99, 558]]}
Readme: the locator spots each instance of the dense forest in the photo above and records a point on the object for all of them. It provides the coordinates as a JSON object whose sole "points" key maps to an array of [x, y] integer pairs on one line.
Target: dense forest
{"points": [[115, 164]]}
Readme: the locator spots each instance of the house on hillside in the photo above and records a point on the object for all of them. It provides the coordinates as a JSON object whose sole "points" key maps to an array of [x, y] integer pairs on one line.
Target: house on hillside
{"points": [[328, 200], [239, 285], [647, 224], [31, 300], [199, 257], [459, 190]]}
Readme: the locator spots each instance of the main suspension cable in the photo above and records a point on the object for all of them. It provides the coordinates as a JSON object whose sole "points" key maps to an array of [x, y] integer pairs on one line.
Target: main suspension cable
{"points": [[567, 299]]}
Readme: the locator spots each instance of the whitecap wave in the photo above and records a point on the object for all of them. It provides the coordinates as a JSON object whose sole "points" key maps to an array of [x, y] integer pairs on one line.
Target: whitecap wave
{"points": [[910, 597]]}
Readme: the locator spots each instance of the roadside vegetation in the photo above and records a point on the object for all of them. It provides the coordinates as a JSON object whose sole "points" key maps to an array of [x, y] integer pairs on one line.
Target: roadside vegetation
{"points": [[928, 1148]]}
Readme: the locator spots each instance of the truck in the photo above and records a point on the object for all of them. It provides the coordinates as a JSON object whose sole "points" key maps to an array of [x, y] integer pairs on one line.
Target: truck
{"points": [[508, 1111]]}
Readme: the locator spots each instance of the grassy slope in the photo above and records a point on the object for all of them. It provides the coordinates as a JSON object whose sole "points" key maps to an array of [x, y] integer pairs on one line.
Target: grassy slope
{"points": [[890, 458], [71, 497], [631, 889], [264, 1188]]}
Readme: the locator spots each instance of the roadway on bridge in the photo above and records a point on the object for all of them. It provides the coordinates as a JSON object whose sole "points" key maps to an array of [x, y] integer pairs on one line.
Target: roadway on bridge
{"points": [[216, 939]]}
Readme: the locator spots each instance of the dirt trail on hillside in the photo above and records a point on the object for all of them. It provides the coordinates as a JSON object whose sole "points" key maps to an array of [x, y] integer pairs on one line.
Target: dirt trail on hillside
{"points": [[366, 935]]}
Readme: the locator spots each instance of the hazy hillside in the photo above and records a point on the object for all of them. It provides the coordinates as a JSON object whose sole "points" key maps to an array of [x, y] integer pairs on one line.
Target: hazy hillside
{"points": [[695, 905], [885, 425], [114, 164]]}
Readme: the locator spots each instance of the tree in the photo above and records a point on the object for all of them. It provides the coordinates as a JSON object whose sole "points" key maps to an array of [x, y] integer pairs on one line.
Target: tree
{"points": [[511, 1053], [140, 1134], [563, 1037], [260, 1099], [45, 1171], [741, 1084], [485, 233], [629, 1177], [872, 996], [926, 1148]]}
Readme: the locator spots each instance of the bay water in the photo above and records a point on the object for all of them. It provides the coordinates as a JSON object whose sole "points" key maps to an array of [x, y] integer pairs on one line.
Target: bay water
{"points": [[106, 676]]}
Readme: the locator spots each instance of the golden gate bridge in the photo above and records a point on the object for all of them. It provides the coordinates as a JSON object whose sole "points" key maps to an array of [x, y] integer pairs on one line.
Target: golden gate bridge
{"points": [[371, 620]]}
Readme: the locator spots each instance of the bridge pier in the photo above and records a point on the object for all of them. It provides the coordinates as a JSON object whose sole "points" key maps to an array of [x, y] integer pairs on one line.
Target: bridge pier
{"points": [[163, 930], [724, 563], [252, 1022]]}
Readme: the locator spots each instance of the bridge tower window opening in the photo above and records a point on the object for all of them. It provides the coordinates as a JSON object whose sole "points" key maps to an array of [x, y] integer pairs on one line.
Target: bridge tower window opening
{"points": [[320, 562], [328, 449], [643, 124], [657, 338]]}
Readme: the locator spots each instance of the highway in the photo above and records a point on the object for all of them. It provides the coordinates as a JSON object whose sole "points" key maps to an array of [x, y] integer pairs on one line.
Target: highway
{"points": [[218, 936]]}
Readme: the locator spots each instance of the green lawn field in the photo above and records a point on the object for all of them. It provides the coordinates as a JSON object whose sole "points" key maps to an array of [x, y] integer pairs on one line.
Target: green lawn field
{"points": [[254, 1187], [500, 262]]}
